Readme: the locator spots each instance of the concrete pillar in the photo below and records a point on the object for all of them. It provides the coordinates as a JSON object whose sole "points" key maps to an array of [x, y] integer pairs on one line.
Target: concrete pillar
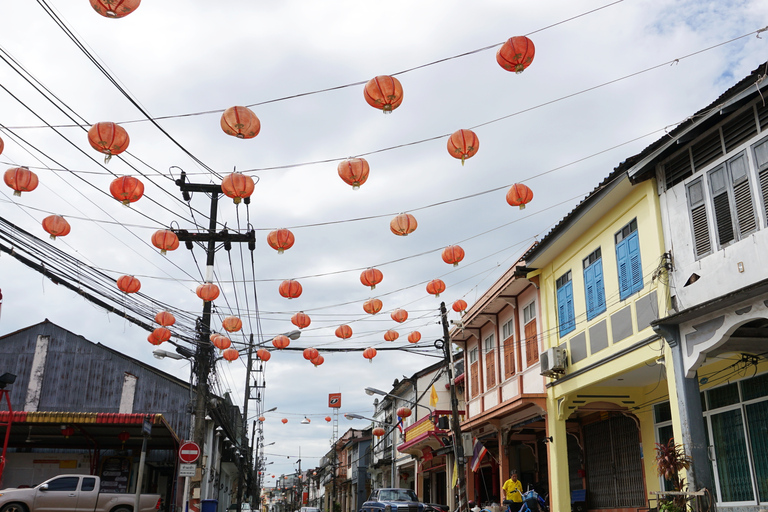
{"points": [[559, 481], [691, 419], [36, 374], [128, 393]]}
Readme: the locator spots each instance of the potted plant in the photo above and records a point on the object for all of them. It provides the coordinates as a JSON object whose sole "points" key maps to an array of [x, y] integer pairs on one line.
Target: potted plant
{"points": [[670, 460]]}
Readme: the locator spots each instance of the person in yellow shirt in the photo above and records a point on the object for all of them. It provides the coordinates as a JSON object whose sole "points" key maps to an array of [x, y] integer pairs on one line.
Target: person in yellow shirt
{"points": [[513, 489]]}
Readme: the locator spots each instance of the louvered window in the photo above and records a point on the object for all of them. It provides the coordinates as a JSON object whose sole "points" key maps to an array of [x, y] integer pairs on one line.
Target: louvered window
{"points": [[678, 169], [738, 130], [630, 268], [474, 372], [565, 313], [706, 150], [508, 334], [732, 200], [762, 116], [761, 161], [490, 361], [699, 223], [593, 284], [531, 337]]}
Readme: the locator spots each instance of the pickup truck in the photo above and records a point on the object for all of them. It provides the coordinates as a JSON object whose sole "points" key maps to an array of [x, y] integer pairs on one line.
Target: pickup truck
{"points": [[73, 493], [391, 500]]}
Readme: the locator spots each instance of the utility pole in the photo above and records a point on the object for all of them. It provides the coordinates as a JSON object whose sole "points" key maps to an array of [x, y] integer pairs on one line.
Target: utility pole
{"points": [[458, 445], [244, 454], [204, 355]]}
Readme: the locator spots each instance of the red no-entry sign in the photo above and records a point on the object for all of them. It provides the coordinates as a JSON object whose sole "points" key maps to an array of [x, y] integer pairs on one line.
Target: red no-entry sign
{"points": [[189, 452]]}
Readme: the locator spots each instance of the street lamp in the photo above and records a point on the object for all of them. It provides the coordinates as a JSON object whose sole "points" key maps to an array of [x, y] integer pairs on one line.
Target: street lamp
{"points": [[353, 416], [374, 391]]}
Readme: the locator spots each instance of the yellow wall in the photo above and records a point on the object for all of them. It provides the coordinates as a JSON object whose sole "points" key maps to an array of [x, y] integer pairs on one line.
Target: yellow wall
{"points": [[641, 203]]}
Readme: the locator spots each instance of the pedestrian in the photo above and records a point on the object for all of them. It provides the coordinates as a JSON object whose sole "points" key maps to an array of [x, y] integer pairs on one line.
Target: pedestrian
{"points": [[514, 491]]}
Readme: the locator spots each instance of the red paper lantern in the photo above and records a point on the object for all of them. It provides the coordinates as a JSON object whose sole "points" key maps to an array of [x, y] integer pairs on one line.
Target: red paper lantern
{"points": [[123, 437], [161, 334], [230, 354], [284, 420], [220, 341], [280, 240], [460, 305], [207, 291], [371, 277], [301, 320], [384, 92], [435, 287], [263, 354], [20, 179], [354, 171], [152, 340], [328, 419], [115, 8], [403, 224], [108, 138], [165, 240], [369, 354], [232, 324], [519, 195], [310, 353], [262, 419], [344, 332], [391, 335], [126, 189], [240, 122], [404, 412], [67, 431], [463, 144], [128, 284], [55, 225], [281, 341], [453, 254], [290, 289], [372, 306], [399, 315], [378, 432], [165, 319], [414, 337], [317, 361], [2, 146], [237, 186], [516, 54]]}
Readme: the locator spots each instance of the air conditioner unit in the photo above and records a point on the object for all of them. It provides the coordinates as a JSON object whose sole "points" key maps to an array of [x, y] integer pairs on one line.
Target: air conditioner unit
{"points": [[553, 361]]}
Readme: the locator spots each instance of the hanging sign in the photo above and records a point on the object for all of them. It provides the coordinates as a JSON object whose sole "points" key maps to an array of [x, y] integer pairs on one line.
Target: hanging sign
{"points": [[334, 400]]}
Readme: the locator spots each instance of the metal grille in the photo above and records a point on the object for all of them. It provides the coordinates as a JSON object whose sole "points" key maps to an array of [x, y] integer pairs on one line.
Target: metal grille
{"points": [[700, 230], [614, 467], [762, 115], [706, 150], [739, 130]]}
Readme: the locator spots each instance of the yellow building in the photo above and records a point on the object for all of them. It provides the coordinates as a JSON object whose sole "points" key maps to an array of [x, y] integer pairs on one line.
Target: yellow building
{"points": [[602, 274]]}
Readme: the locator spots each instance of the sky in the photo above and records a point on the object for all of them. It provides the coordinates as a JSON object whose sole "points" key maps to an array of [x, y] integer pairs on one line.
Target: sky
{"points": [[607, 79]]}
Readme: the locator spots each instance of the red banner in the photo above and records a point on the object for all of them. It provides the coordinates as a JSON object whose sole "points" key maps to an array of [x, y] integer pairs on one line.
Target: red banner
{"points": [[334, 400]]}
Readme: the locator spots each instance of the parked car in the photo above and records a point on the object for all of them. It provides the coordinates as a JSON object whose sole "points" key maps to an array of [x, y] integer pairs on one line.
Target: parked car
{"points": [[393, 500], [309, 509], [73, 493], [244, 507], [437, 507]]}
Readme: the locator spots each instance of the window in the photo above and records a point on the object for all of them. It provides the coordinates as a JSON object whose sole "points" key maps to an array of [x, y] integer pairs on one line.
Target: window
{"points": [[699, 222], [531, 336], [89, 484], [593, 284], [507, 332], [565, 313], [474, 371], [490, 361], [732, 200], [67, 483], [628, 260], [761, 161]]}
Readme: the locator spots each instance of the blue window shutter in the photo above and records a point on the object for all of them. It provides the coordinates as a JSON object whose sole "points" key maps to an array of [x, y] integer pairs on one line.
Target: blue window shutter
{"points": [[599, 287], [635, 265], [595, 289], [589, 288], [565, 309], [622, 261]]}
